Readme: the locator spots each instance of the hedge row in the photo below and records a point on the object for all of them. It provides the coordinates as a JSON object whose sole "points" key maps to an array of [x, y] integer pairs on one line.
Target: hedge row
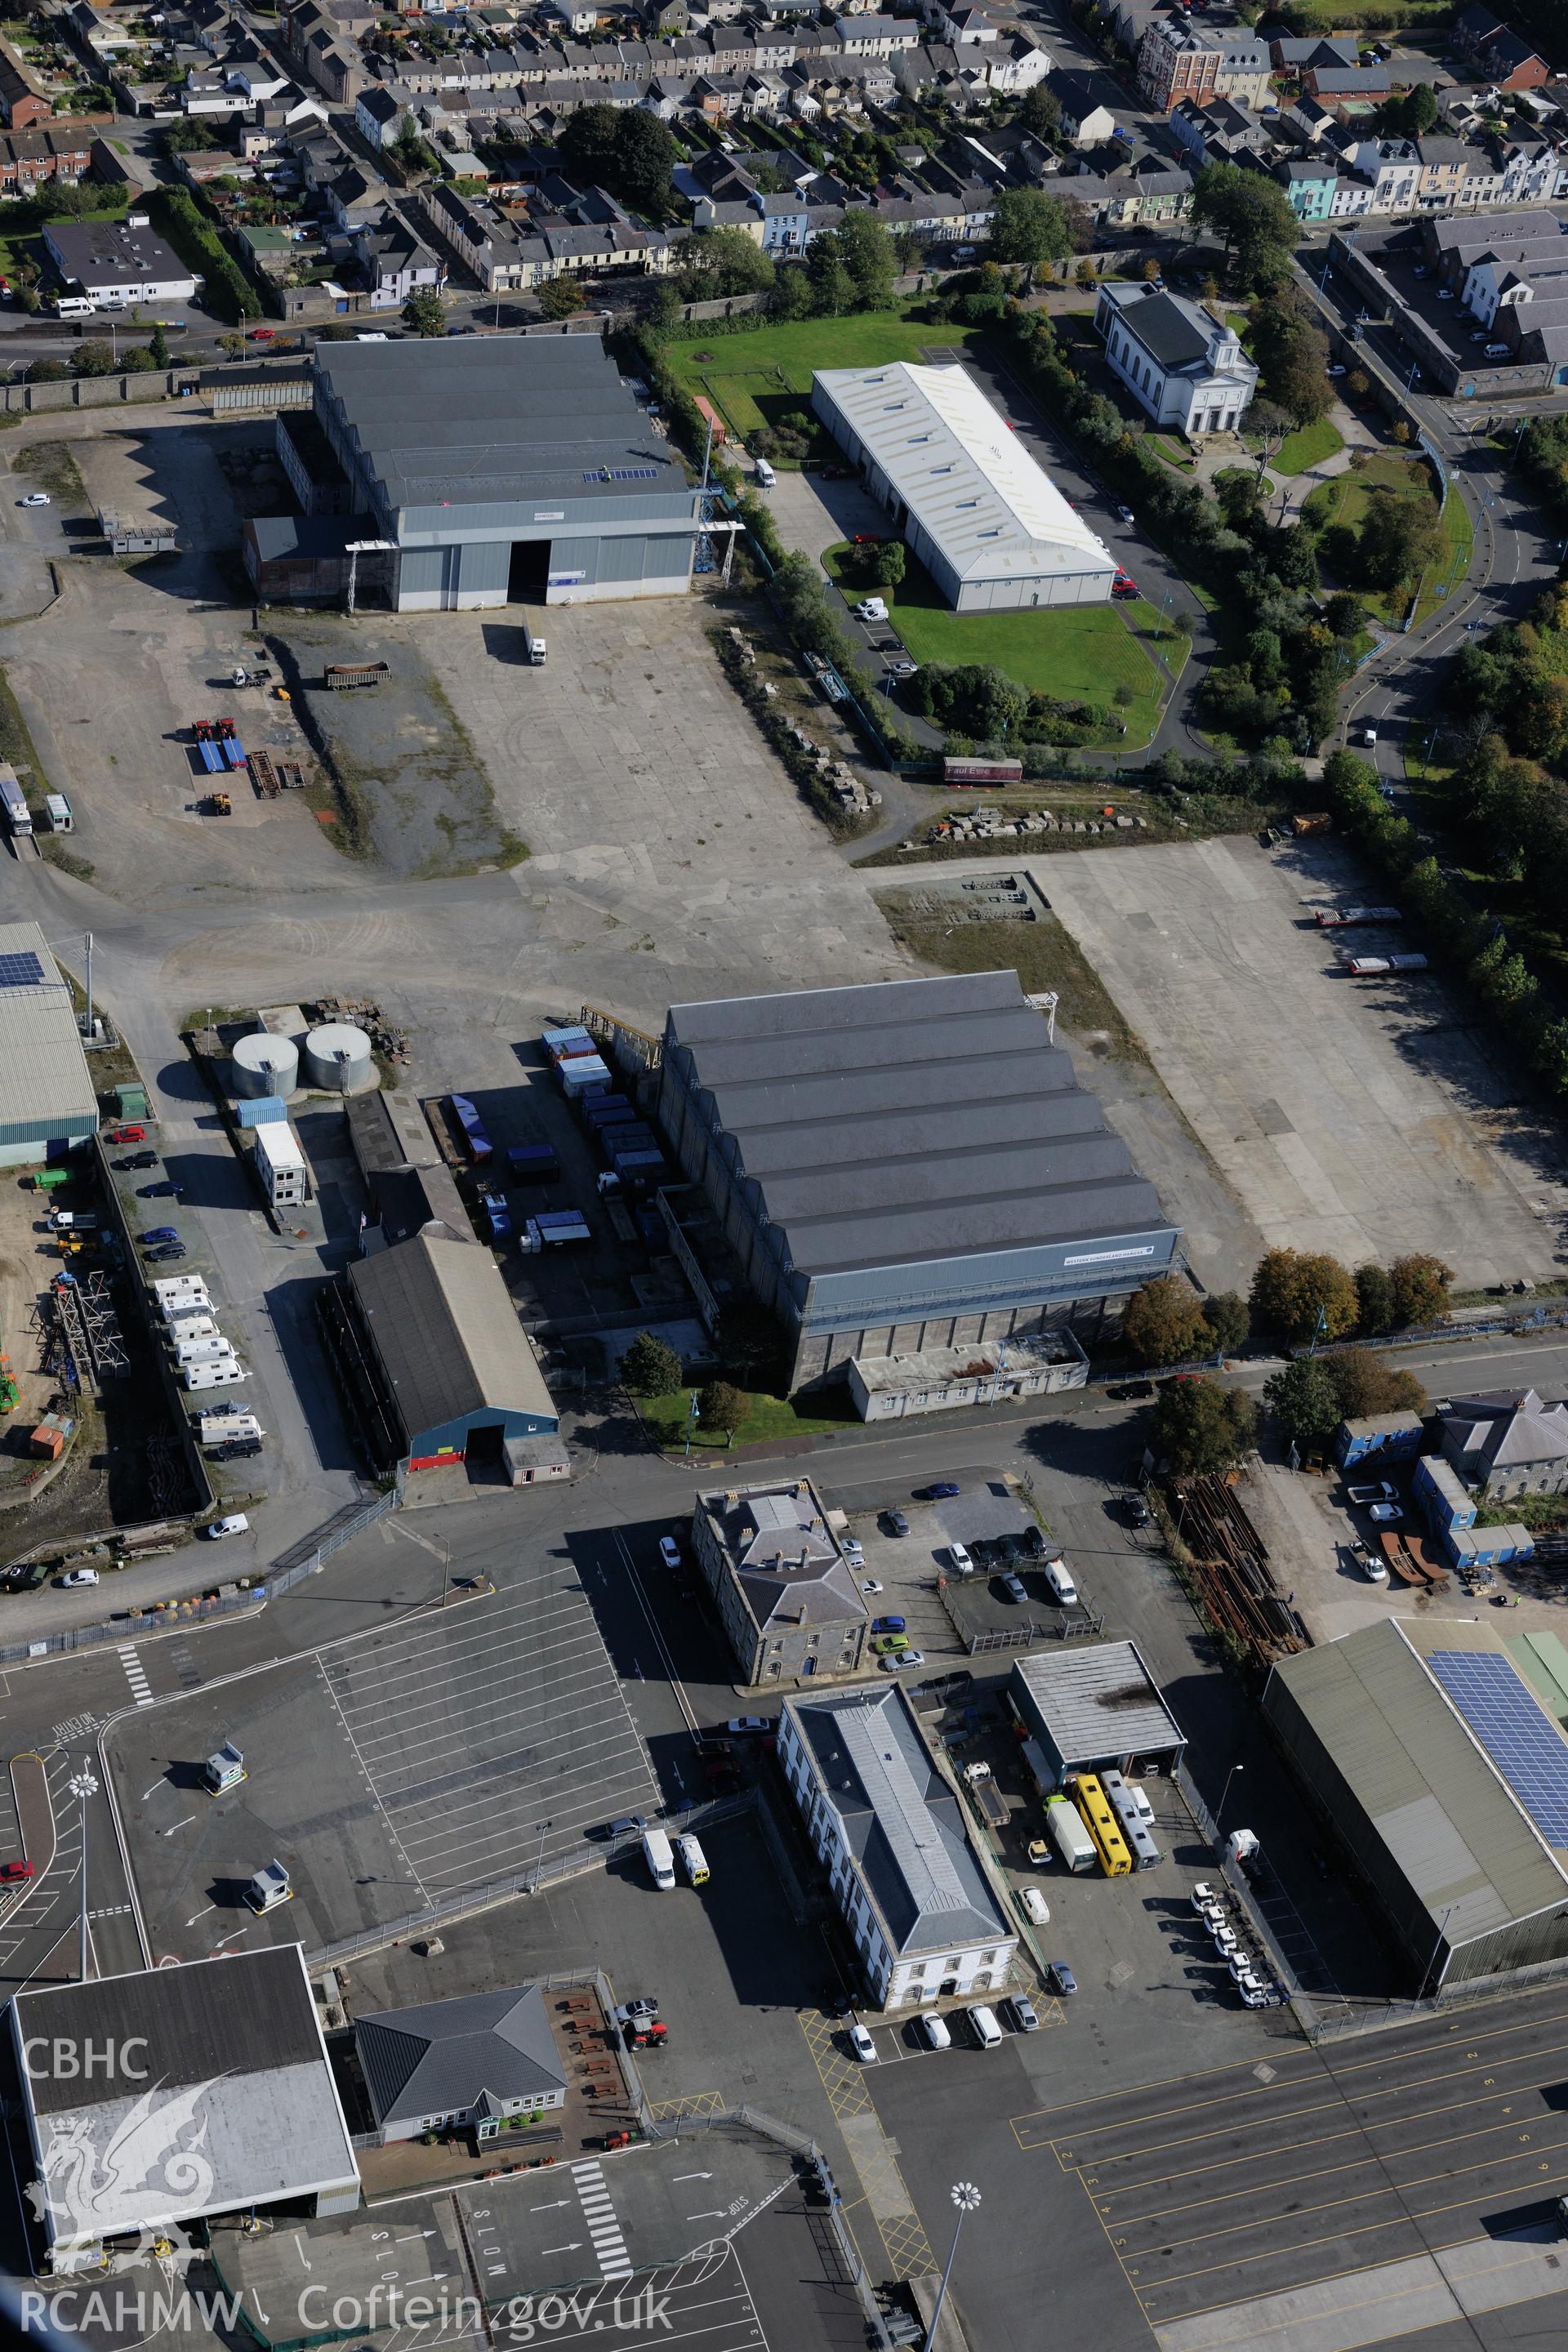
{"points": [[176, 216]]}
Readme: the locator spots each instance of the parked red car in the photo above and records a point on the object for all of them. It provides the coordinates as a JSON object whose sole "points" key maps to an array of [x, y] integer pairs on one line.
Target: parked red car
{"points": [[129, 1135], [261, 335], [15, 1869]]}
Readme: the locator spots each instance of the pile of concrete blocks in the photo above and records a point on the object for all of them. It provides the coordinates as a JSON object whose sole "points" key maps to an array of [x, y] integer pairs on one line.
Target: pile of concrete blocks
{"points": [[992, 824]]}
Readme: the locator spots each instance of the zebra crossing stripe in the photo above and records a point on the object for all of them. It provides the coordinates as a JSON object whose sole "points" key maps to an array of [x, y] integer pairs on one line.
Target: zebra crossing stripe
{"points": [[135, 1675]]}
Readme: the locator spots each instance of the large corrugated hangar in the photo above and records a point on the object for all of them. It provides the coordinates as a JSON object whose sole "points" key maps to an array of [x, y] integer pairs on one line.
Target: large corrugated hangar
{"points": [[505, 469], [46, 1099], [905, 1166], [1435, 1752], [988, 523]]}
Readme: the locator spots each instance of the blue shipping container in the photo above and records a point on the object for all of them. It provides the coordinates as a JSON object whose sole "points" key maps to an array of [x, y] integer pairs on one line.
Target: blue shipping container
{"points": [[533, 1163], [469, 1128], [1394, 1435], [260, 1110]]}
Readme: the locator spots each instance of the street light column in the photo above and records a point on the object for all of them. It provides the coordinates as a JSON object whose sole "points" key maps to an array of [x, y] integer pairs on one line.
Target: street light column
{"points": [[965, 2197]]}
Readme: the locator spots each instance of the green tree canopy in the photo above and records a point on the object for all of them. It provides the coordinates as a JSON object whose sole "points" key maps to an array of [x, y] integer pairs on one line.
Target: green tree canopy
{"points": [[1251, 216], [1421, 1287], [1365, 1383], [1199, 1427], [1030, 228], [92, 359], [1304, 1400], [1303, 1295], [1164, 1322], [623, 149], [833, 291], [650, 1366], [723, 1406], [1399, 536], [561, 297], [866, 250], [1229, 1321], [1041, 111], [721, 261], [424, 311], [1375, 1294]]}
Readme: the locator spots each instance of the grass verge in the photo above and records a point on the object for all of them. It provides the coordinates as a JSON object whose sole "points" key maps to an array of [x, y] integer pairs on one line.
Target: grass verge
{"points": [[1043, 954], [1081, 653], [768, 1417], [1307, 446], [50, 465]]}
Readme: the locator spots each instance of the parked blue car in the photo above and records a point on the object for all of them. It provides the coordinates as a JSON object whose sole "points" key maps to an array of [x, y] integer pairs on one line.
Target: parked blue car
{"points": [[888, 1625], [159, 1233]]}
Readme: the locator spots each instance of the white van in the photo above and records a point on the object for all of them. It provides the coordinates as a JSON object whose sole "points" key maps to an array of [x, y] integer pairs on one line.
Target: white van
{"points": [[933, 2033], [986, 2030], [766, 478], [693, 1860], [659, 1860], [75, 306], [1055, 1572]]}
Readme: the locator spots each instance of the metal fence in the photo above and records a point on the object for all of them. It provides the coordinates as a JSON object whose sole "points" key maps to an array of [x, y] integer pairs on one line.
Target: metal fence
{"points": [[523, 1881], [303, 1560]]}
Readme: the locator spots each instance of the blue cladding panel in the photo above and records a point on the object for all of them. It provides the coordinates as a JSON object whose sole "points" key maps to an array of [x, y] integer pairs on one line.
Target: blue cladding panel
{"points": [[1516, 1732]]}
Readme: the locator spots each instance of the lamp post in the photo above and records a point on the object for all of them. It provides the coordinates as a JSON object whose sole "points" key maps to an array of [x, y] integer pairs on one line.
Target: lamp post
{"points": [[1225, 1793], [83, 1786], [538, 1857], [1442, 1930], [965, 2197], [693, 1415]]}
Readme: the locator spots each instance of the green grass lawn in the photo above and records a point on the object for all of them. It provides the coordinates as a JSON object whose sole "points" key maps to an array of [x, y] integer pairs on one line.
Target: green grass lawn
{"points": [[769, 1417], [1307, 446], [1440, 582], [1081, 653], [756, 378], [1345, 500]]}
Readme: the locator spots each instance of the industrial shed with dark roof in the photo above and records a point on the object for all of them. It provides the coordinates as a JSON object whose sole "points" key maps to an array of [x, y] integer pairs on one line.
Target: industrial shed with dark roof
{"points": [[905, 1166], [218, 2097], [1435, 1754], [505, 469], [433, 1364]]}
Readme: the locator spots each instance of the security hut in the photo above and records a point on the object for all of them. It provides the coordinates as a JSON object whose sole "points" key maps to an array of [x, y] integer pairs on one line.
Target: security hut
{"points": [[226, 2053], [434, 1367], [1095, 1709], [46, 1099], [1434, 1754], [987, 521], [477, 2061]]}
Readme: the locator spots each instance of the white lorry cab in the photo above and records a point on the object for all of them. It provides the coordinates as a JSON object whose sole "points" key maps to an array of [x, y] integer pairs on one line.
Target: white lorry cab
{"points": [[659, 1860]]}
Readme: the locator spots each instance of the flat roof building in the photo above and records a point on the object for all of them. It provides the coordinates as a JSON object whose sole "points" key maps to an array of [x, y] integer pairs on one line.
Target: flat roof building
{"points": [[505, 469], [906, 1165], [116, 262], [433, 1365], [891, 1833], [46, 1097], [216, 2097], [987, 521], [1434, 1753], [1095, 1709], [788, 1599]]}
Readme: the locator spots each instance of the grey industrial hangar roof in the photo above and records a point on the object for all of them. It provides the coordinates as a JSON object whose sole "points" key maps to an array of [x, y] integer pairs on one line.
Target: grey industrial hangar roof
{"points": [[502, 418], [1443, 1811], [909, 1118], [43, 1070]]}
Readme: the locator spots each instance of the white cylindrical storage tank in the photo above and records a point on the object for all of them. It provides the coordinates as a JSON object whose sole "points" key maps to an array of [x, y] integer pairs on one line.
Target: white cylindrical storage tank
{"points": [[338, 1057], [265, 1065]]}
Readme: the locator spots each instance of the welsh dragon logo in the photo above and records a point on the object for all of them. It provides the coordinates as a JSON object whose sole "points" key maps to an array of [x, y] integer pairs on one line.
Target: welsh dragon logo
{"points": [[155, 2166]]}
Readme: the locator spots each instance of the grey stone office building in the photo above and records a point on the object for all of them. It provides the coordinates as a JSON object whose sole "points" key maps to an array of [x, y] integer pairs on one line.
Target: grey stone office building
{"points": [[503, 469], [787, 1596], [906, 1165]]}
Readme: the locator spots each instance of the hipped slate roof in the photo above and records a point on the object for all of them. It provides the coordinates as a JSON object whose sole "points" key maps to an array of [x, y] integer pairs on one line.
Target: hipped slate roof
{"points": [[788, 1566], [1508, 1429], [900, 1821], [438, 2058]]}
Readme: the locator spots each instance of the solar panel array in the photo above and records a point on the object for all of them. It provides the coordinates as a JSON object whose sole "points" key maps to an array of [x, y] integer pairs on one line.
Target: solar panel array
{"points": [[624, 473], [23, 970], [1515, 1730]]}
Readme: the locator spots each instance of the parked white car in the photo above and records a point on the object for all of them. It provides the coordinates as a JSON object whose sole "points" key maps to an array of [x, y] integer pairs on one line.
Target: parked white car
{"points": [[236, 1524], [863, 2046]]}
